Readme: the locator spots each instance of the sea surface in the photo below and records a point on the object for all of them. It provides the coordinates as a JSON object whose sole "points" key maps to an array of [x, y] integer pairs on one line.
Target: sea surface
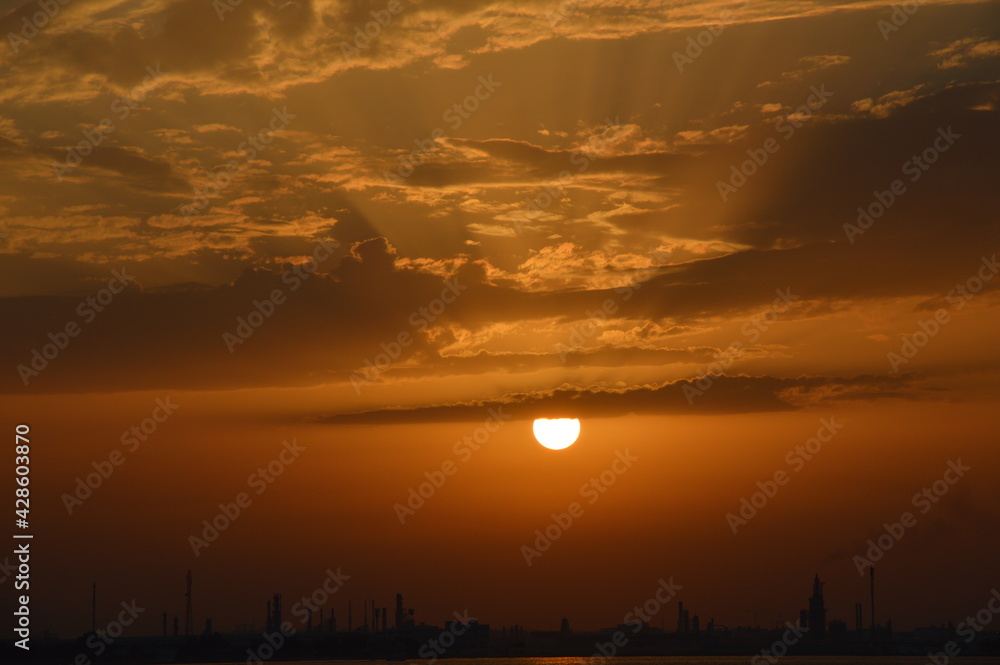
{"points": [[660, 660]]}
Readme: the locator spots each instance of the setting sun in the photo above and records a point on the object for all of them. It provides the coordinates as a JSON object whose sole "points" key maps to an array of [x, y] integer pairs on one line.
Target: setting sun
{"points": [[557, 433]]}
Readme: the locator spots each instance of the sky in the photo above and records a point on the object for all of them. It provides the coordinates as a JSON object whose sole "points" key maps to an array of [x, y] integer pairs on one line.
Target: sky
{"points": [[742, 242]]}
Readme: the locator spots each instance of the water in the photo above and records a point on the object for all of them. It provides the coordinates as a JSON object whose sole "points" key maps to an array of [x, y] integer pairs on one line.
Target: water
{"points": [[655, 660]]}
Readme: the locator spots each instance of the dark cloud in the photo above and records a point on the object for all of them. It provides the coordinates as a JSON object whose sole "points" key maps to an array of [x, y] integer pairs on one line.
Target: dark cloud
{"points": [[136, 170], [337, 319], [723, 394], [329, 322]]}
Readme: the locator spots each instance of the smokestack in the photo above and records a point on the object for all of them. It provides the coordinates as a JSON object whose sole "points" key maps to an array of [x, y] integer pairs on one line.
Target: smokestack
{"points": [[93, 608], [349, 619], [188, 611], [872, 572]]}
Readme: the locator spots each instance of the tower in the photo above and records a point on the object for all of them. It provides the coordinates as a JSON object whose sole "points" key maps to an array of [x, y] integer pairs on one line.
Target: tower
{"points": [[188, 614], [871, 572], [276, 608], [399, 611], [817, 611]]}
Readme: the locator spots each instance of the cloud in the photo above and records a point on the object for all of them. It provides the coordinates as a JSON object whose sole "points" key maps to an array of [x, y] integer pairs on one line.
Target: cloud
{"points": [[727, 394], [649, 182], [962, 52], [808, 67]]}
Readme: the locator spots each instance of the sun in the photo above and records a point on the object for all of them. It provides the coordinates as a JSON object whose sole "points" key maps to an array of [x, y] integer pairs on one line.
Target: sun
{"points": [[557, 433]]}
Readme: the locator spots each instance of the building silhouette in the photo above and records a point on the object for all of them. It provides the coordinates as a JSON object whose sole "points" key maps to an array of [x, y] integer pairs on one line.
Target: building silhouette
{"points": [[815, 617]]}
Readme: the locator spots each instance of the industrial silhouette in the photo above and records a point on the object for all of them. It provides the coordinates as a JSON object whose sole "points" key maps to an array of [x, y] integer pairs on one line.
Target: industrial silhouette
{"points": [[815, 617], [300, 637]]}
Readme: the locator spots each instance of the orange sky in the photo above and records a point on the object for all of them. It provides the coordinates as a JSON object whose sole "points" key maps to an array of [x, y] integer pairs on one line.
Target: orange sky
{"points": [[701, 227]]}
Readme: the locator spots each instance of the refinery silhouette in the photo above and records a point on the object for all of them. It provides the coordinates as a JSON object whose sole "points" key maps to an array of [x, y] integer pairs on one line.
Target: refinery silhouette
{"points": [[309, 632]]}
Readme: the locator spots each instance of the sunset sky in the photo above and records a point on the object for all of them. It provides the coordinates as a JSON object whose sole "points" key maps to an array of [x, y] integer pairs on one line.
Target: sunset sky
{"points": [[705, 228]]}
